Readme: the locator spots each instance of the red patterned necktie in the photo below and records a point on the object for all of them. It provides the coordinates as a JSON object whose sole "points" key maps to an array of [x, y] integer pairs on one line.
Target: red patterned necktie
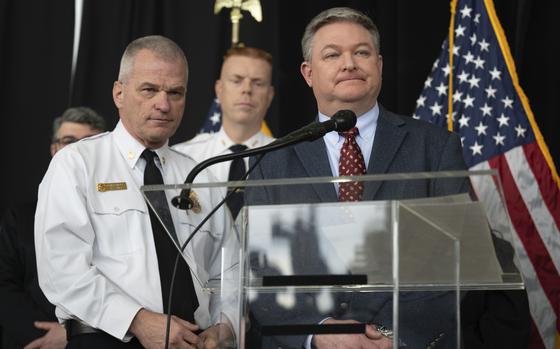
{"points": [[351, 164]]}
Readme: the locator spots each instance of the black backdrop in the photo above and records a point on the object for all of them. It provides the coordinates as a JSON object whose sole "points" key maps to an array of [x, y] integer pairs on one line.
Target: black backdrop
{"points": [[36, 44]]}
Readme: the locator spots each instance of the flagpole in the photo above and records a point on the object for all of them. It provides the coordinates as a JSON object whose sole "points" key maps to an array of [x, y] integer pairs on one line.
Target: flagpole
{"points": [[450, 89], [78, 10], [236, 6]]}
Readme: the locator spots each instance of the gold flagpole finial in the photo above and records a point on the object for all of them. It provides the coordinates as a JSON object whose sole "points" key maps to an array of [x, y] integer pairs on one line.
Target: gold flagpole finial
{"points": [[253, 6]]}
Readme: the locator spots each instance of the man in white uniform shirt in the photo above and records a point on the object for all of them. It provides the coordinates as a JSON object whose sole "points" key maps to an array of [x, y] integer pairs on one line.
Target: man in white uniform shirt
{"points": [[99, 247], [245, 92]]}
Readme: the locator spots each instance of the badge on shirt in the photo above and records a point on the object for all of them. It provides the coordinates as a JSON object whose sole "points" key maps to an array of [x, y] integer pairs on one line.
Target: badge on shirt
{"points": [[196, 204], [102, 187]]}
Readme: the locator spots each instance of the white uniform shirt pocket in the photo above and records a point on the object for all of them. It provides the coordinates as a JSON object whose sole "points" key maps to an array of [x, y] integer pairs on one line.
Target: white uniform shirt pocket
{"points": [[119, 218]]}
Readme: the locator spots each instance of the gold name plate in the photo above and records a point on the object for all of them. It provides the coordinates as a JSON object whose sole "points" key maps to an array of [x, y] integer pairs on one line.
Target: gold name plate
{"points": [[102, 187]]}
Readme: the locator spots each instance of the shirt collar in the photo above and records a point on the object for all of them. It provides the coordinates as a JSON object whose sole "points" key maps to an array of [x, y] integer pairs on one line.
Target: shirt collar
{"points": [[131, 149], [225, 142], [365, 123]]}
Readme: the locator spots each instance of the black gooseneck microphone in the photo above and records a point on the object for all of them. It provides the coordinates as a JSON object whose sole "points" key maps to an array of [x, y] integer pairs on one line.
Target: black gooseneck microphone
{"points": [[342, 120]]}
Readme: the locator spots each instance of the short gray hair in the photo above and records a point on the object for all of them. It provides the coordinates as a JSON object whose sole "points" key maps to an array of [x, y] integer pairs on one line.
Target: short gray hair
{"points": [[164, 48], [333, 15], [80, 115]]}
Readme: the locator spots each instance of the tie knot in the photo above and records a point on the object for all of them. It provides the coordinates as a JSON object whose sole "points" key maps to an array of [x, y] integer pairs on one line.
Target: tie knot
{"points": [[236, 148], [149, 155], [350, 133]]}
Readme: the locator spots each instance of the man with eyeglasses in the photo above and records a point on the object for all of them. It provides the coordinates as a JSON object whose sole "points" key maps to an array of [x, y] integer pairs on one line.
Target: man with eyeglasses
{"points": [[27, 318], [75, 124]]}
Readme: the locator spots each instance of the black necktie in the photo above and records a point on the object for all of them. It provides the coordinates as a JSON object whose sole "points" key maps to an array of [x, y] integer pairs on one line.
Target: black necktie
{"points": [[236, 171], [184, 301]]}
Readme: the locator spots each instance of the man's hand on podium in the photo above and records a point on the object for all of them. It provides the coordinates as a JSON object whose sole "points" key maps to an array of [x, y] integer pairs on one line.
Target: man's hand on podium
{"points": [[217, 336], [149, 328], [371, 339]]}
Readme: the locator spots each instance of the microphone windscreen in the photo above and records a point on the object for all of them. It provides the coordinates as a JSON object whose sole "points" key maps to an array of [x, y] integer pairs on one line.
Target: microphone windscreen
{"points": [[344, 120]]}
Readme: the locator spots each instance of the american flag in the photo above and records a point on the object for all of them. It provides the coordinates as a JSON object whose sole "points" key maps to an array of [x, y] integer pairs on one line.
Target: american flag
{"points": [[213, 120], [498, 131]]}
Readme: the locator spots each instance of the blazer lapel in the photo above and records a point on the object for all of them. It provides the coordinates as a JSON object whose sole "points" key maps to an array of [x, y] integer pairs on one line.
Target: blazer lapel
{"points": [[314, 158], [388, 137]]}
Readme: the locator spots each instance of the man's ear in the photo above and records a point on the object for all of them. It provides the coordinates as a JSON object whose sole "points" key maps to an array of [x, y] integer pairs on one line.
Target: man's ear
{"points": [[218, 88], [306, 71], [118, 93]]}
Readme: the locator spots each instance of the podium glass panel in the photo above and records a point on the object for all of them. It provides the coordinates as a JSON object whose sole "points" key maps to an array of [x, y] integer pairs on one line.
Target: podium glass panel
{"points": [[298, 263]]}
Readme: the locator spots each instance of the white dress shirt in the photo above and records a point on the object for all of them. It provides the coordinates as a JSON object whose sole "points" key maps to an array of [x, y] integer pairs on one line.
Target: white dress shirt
{"points": [[207, 145], [96, 257]]}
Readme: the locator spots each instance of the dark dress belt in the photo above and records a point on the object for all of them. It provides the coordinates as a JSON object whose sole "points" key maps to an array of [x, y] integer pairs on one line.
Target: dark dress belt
{"points": [[76, 328]]}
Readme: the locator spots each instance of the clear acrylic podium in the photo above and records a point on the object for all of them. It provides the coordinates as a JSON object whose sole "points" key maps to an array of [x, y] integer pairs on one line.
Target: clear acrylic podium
{"points": [[293, 265]]}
